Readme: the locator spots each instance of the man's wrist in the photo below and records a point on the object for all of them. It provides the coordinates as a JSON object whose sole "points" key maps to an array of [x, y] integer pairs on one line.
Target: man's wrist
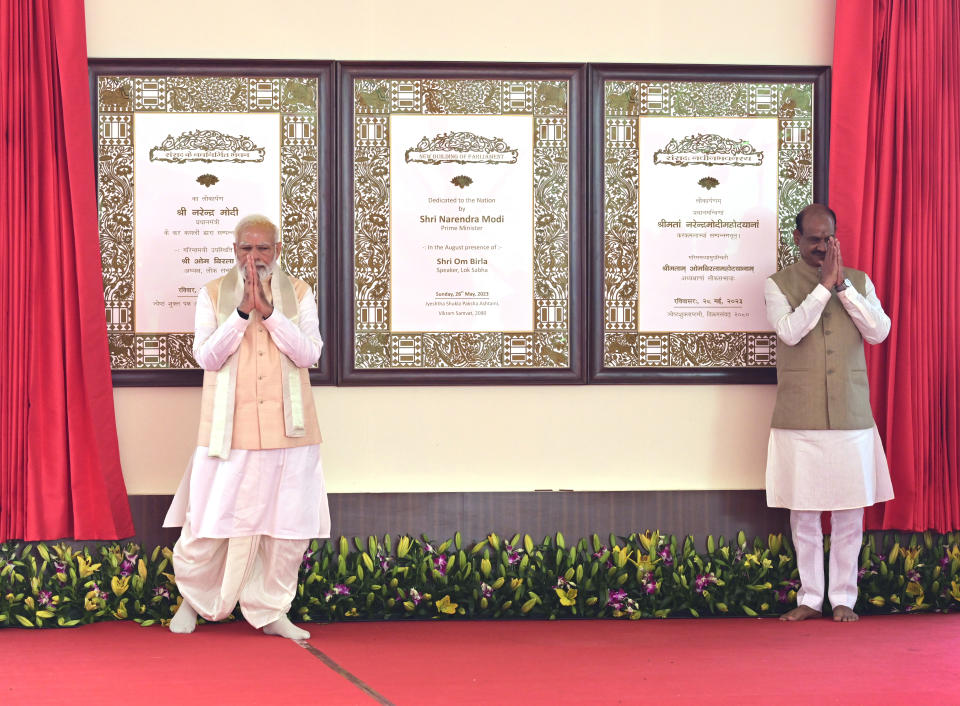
{"points": [[841, 286]]}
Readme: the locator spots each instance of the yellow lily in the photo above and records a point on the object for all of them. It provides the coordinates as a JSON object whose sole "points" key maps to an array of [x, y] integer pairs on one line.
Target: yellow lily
{"points": [[445, 605], [955, 590], [568, 596], [914, 589], [120, 585], [85, 569]]}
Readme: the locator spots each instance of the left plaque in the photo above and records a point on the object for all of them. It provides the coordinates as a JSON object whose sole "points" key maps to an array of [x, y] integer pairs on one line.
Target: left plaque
{"points": [[461, 223], [184, 151]]}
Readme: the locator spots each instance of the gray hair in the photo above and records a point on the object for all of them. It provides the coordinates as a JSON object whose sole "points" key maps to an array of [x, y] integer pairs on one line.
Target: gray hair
{"points": [[251, 221]]}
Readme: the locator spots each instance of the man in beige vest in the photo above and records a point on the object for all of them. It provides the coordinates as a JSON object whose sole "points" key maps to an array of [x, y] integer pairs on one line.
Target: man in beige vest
{"points": [[253, 495], [824, 451]]}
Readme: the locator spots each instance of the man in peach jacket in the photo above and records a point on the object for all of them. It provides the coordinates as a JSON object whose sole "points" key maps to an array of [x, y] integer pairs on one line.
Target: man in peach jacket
{"points": [[253, 495]]}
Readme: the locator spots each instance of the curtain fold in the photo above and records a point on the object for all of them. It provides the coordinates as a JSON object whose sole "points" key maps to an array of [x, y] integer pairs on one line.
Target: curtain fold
{"points": [[60, 472], [894, 165]]}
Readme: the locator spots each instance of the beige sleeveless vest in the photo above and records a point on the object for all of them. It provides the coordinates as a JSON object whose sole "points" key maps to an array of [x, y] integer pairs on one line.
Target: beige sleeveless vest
{"points": [[258, 421], [822, 381]]}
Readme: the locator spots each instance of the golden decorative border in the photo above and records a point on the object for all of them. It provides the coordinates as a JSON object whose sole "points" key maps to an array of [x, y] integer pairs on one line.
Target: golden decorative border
{"points": [[119, 98], [376, 346], [624, 103]]}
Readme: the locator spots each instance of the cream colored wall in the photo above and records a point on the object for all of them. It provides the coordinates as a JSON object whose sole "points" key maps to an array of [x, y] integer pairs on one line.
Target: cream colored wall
{"points": [[596, 437]]}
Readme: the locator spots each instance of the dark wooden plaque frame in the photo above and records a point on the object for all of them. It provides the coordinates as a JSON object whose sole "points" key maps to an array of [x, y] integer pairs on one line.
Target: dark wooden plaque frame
{"points": [[575, 74], [324, 72], [818, 76]]}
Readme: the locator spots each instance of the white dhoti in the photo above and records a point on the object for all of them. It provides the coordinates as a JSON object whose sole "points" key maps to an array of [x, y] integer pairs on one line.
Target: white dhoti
{"points": [[247, 522], [260, 572]]}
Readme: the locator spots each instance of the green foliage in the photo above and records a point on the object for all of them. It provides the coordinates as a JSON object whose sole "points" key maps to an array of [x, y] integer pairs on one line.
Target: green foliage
{"points": [[388, 578]]}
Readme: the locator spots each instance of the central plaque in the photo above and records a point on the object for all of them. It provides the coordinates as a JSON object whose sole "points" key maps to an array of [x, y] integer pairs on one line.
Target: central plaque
{"points": [[462, 234]]}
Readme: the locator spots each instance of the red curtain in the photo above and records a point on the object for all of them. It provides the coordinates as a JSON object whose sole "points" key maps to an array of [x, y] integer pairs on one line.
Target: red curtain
{"points": [[895, 186], [59, 459]]}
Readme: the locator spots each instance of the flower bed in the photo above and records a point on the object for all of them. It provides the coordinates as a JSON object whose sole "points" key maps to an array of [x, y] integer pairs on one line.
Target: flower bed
{"points": [[385, 578]]}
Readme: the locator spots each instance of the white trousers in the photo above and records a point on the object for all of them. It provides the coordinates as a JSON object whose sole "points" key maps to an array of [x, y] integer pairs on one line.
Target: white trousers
{"points": [[846, 538], [260, 572]]}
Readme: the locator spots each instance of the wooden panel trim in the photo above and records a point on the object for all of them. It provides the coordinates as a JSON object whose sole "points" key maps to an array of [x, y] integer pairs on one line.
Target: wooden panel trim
{"points": [[576, 514]]}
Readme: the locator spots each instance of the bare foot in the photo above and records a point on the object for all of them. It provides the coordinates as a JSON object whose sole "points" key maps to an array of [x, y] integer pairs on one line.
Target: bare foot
{"points": [[282, 627], [842, 614], [801, 612], [184, 620]]}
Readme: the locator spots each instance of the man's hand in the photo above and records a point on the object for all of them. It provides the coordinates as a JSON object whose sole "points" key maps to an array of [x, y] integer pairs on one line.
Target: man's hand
{"points": [[841, 275], [260, 302], [248, 302], [830, 266]]}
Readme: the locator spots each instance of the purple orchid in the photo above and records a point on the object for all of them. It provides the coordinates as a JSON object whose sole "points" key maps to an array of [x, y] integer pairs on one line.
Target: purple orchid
{"points": [[598, 554], [704, 580], [384, 562], [440, 564], [944, 561], [415, 596], [666, 556], [616, 599], [45, 598], [783, 594], [341, 590], [513, 553], [127, 566], [162, 592], [913, 575], [649, 584], [485, 590]]}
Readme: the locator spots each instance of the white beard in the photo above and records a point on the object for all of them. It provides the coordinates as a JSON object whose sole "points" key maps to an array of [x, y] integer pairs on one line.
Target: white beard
{"points": [[263, 271]]}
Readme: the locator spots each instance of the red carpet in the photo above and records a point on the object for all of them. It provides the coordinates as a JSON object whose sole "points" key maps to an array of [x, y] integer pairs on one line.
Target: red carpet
{"points": [[880, 660]]}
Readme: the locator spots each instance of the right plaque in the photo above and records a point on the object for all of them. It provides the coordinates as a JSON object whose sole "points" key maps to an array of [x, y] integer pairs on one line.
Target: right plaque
{"points": [[698, 173]]}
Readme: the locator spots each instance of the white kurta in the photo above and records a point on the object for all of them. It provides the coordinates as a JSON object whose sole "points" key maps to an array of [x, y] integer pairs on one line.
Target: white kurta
{"points": [[274, 492], [826, 469]]}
